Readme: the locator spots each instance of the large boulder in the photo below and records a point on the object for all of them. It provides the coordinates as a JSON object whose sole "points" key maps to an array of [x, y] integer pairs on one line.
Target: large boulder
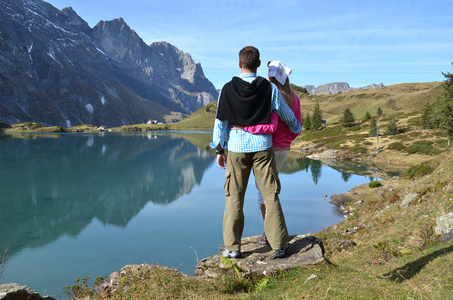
{"points": [[408, 199], [115, 284], [15, 291], [444, 224]]}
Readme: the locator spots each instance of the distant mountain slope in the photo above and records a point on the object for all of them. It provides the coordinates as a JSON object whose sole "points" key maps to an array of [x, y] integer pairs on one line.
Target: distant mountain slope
{"points": [[406, 98], [56, 70], [336, 87]]}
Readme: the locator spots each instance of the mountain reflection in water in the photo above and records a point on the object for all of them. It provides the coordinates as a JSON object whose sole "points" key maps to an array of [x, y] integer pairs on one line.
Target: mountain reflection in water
{"points": [[76, 178]]}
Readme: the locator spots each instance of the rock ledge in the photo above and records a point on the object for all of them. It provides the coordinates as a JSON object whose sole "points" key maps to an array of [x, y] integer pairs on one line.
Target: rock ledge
{"points": [[258, 259]]}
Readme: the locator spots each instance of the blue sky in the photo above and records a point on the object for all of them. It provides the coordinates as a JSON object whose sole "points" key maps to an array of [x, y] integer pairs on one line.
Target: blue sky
{"points": [[323, 41]]}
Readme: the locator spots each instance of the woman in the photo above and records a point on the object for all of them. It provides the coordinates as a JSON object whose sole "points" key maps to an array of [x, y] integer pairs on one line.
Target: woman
{"points": [[277, 73]]}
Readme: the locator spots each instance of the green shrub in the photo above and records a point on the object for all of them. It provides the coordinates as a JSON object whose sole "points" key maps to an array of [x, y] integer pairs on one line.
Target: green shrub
{"points": [[441, 143], [358, 149], [398, 137], [374, 184], [438, 133], [423, 147], [331, 142], [328, 132], [397, 146], [83, 290], [415, 121], [418, 171], [355, 128]]}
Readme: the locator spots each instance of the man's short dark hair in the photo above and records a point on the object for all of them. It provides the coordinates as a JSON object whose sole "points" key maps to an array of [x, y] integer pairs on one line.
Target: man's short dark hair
{"points": [[250, 58]]}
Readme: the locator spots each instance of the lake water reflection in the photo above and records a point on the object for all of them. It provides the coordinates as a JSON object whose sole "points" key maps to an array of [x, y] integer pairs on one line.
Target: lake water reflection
{"points": [[76, 205]]}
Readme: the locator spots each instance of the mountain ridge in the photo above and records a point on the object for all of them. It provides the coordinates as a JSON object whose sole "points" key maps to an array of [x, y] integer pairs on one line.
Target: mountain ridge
{"points": [[337, 87], [56, 70]]}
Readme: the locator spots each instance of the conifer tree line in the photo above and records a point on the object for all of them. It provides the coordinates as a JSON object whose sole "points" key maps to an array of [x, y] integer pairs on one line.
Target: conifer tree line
{"points": [[315, 121], [440, 113]]}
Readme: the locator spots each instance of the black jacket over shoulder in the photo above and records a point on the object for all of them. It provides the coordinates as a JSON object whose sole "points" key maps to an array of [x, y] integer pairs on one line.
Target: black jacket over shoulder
{"points": [[245, 103]]}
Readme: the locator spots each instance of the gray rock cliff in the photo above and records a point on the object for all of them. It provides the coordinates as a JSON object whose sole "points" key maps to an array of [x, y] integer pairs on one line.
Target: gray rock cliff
{"points": [[56, 70]]}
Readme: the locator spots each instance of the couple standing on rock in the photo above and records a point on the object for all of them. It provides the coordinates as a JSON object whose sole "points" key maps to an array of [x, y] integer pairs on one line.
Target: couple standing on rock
{"points": [[257, 119]]}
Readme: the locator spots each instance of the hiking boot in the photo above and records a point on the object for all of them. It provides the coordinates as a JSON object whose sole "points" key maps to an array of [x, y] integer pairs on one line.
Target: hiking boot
{"points": [[232, 254], [281, 252], [262, 240]]}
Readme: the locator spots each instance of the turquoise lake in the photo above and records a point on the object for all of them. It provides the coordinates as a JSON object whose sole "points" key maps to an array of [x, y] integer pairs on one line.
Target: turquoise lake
{"points": [[77, 205]]}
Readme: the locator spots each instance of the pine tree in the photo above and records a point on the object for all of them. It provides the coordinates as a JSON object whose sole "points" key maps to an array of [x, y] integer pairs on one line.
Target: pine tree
{"points": [[426, 119], [379, 111], [447, 121], [446, 111], [316, 119], [347, 120], [366, 117], [307, 122], [392, 129], [373, 126], [374, 131], [436, 116]]}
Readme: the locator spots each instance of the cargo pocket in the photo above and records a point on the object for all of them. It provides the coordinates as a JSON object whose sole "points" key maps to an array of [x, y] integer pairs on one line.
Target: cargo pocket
{"points": [[226, 185]]}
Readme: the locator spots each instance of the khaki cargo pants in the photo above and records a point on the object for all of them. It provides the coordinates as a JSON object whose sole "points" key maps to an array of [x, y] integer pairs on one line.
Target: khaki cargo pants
{"points": [[239, 166]]}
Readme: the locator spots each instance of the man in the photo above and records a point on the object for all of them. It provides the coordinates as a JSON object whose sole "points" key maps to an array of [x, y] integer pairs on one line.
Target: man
{"points": [[249, 100]]}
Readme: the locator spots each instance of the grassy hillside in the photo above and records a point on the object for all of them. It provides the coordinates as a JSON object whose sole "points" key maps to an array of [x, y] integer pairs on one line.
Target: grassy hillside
{"points": [[401, 99], [407, 99], [202, 119]]}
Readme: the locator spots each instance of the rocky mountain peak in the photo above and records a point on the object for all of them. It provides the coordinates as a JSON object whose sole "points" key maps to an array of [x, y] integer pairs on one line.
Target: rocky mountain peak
{"points": [[76, 20], [56, 70], [118, 40]]}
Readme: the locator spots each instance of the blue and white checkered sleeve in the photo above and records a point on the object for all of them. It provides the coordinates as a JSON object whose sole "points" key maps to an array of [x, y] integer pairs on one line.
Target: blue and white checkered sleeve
{"points": [[220, 134]]}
